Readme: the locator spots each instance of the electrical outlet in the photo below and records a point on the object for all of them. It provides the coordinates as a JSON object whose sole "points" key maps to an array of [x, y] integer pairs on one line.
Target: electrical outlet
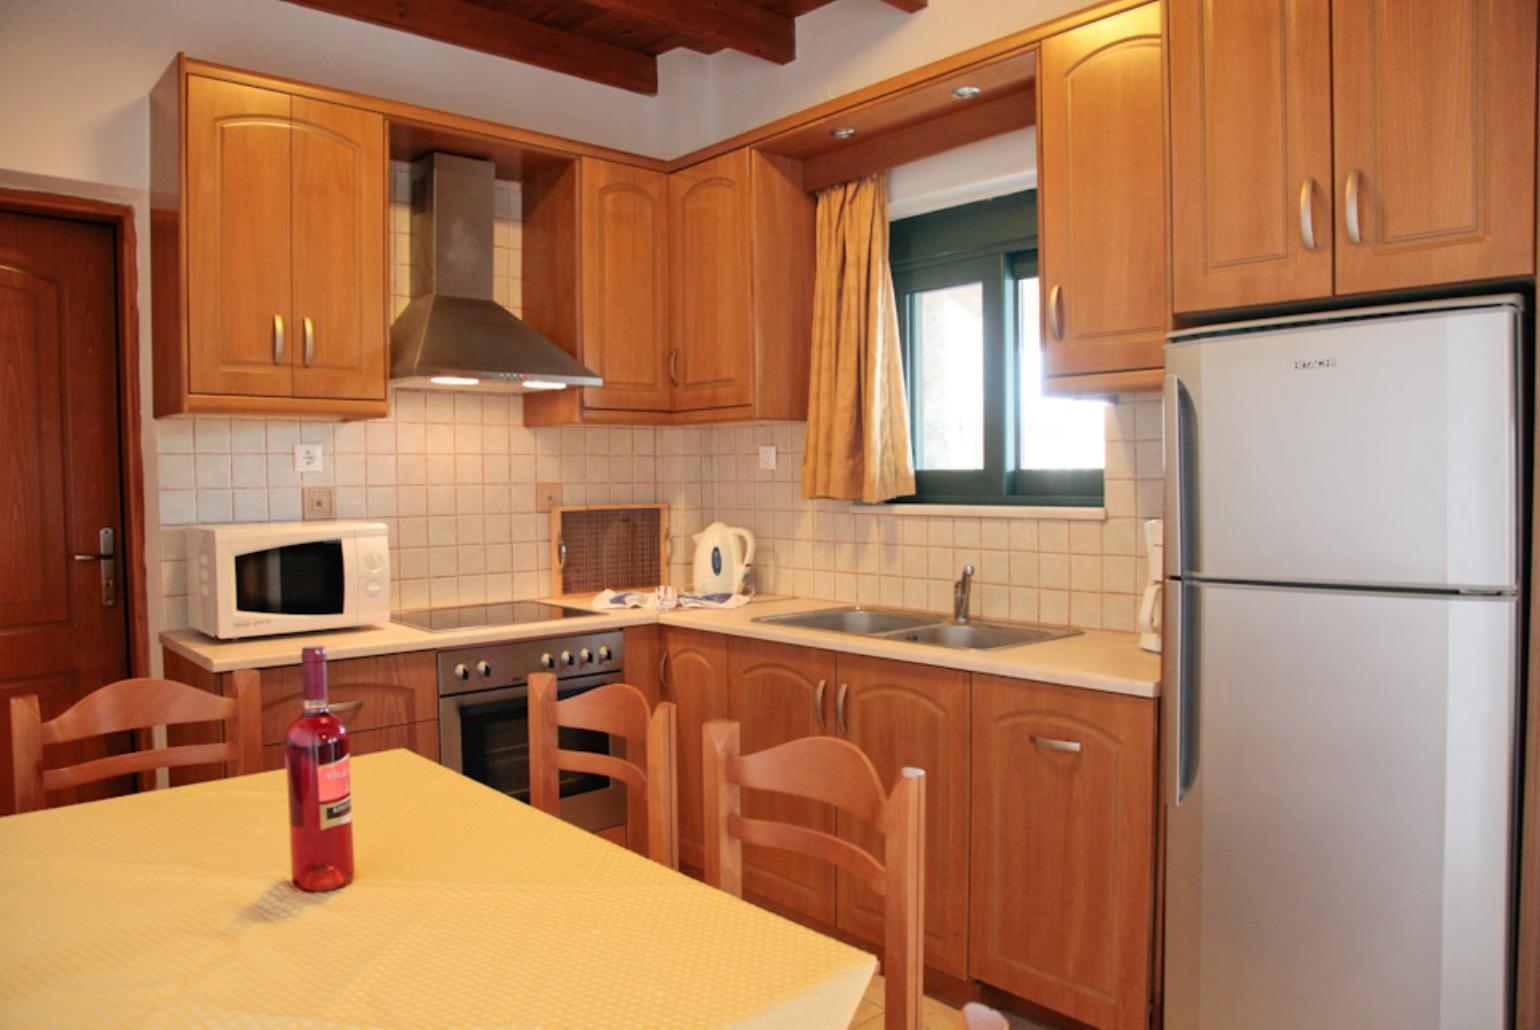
{"points": [[547, 496], [318, 502], [307, 457], [767, 458]]}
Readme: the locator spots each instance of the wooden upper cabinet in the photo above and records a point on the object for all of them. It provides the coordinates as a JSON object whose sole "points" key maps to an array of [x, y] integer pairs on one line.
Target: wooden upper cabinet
{"points": [[917, 716], [712, 359], [623, 216], [694, 677], [1251, 163], [1102, 196], [777, 693], [1063, 879], [268, 230], [240, 316], [1434, 128], [340, 292]]}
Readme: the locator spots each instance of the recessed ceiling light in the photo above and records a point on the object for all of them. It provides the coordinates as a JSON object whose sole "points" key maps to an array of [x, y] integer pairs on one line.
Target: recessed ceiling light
{"points": [[842, 133], [966, 92]]}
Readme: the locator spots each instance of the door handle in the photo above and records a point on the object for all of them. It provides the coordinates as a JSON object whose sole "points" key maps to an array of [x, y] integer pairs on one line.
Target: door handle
{"points": [[309, 328], [1307, 213], [1350, 206], [663, 671], [839, 710], [277, 339], [343, 707], [673, 366], [1180, 693], [818, 705], [1053, 744], [1180, 553], [106, 554], [1056, 312]]}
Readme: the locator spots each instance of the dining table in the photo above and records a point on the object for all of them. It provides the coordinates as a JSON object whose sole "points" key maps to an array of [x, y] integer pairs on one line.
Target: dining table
{"points": [[467, 908]]}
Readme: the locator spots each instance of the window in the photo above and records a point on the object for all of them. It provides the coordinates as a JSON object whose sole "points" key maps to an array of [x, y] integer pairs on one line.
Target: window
{"points": [[983, 433]]}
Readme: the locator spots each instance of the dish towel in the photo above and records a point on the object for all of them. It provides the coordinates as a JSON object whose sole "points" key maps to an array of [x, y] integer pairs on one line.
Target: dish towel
{"points": [[665, 599]]}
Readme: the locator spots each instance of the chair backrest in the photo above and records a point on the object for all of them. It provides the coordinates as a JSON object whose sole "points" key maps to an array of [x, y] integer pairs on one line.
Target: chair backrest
{"points": [[836, 772], [647, 769], [134, 704]]}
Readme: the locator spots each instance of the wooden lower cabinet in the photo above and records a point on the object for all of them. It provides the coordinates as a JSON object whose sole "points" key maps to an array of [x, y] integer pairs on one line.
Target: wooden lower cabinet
{"points": [[1062, 886], [779, 693], [421, 737], [694, 677], [912, 715]]}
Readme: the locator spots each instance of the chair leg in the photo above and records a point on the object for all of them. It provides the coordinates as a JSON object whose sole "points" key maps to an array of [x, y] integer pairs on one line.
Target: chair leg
{"points": [[724, 800]]}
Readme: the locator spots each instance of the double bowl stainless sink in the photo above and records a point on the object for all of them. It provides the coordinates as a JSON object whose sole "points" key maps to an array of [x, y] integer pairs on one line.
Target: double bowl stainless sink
{"points": [[920, 629]]}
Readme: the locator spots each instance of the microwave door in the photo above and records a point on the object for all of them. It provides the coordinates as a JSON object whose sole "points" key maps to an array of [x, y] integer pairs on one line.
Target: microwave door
{"points": [[292, 579]]}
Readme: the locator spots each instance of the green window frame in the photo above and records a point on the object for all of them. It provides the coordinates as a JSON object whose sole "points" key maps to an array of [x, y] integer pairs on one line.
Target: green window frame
{"points": [[993, 243]]}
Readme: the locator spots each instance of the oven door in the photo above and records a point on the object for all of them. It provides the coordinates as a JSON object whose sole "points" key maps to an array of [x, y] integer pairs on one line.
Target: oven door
{"points": [[485, 735]]}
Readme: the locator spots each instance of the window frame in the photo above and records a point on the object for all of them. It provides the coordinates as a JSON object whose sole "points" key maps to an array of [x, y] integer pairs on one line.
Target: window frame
{"points": [[993, 242]]}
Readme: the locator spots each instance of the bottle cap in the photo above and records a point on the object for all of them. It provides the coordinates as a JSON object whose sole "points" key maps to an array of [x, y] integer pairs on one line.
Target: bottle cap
{"points": [[313, 669]]}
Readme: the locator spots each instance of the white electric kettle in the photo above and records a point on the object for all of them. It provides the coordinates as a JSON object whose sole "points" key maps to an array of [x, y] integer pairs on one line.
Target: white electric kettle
{"points": [[723, 556]]}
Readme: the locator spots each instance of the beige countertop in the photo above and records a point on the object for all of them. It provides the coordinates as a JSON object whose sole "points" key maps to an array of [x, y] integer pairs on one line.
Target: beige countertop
{"points": [[1095, 659]]}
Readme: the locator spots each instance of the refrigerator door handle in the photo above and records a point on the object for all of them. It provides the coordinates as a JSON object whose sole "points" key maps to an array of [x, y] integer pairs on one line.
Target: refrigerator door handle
{"points": [[1179, 704], [1179, 451]]}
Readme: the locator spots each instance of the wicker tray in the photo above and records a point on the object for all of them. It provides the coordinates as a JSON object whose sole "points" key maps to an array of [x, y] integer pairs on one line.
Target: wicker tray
{"points": [[609, 546]]}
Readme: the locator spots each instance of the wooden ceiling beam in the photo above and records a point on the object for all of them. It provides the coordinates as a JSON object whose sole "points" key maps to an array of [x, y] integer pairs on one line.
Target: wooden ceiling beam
{"points": [[495, 32], [740, 24]]}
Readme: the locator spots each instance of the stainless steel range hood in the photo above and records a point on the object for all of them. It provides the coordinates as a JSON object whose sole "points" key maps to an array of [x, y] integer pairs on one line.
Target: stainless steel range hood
{"points": [[453, 334]]}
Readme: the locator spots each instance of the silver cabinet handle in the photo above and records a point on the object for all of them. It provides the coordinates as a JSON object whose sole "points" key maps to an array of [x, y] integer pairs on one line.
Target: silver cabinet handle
{"points": [[673, 366], [343, 707], [663, 671], [1181, 692], [309, 327], [1053, 744], [561, 554], [839, 710], [106, 554], [277, 339], [1307, 213], [818, 704], [1181, 448], [1350, 208], [1056, 312]]}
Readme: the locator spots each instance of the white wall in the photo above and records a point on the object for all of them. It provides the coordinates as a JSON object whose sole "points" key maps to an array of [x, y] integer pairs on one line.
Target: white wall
{"points": [[978, 171]]}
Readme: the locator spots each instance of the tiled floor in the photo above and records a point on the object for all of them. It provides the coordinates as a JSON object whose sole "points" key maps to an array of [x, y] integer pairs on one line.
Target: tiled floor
{"points": [[937, 1015]]}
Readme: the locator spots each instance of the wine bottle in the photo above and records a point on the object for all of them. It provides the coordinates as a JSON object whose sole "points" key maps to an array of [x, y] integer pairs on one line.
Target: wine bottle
{"points": [[320, 787]]}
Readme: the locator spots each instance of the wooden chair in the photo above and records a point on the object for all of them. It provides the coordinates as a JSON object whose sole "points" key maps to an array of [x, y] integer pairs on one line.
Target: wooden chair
{"points": [[134, 704], [838, 773], [619, 709]]}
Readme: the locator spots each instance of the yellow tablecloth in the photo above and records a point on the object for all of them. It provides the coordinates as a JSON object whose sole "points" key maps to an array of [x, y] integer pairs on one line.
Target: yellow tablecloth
{"points": [[174, 908]]}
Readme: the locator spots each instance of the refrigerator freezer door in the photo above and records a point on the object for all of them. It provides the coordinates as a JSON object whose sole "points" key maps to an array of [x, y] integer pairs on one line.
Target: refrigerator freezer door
{"points": [[1380, 451], [1341, 857]]}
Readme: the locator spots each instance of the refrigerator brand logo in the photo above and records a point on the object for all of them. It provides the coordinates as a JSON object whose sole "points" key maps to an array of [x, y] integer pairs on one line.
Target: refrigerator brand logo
{"points": [[1314, 363]]}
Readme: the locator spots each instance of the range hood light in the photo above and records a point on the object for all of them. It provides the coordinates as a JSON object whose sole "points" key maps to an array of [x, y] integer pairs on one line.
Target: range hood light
{"points": [[541, 384], [454, 381]]}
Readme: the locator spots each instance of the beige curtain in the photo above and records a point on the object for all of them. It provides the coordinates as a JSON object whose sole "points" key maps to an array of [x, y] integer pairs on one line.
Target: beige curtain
{"points": [[858, 417]]}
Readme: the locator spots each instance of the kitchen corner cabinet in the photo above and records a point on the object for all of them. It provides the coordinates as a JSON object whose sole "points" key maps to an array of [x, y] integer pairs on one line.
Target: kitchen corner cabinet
{"points": [[693, 675], [1102, 203], [268, 229], [1063, 871], [1339, 147]]}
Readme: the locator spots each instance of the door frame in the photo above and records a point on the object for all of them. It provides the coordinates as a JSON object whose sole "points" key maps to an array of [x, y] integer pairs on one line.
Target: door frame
{"points": [[120, 218]]}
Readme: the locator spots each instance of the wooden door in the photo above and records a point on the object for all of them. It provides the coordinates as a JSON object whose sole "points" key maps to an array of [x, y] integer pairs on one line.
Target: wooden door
{"points": [[1251, 173], [777, 693], [240, 320], [1102, 196], [624, 227], [339, 230], [912, 715], [61, 636], [1434, 128], [1062, 892], [695, 679], [712, 361]]}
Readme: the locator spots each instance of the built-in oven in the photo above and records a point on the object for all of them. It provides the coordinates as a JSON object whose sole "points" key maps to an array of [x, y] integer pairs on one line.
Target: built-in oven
{"points": [[484, 717]]}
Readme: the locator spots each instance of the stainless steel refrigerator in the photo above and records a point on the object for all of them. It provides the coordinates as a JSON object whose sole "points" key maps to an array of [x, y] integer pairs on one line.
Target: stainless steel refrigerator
{"points": [[1340, 669]]}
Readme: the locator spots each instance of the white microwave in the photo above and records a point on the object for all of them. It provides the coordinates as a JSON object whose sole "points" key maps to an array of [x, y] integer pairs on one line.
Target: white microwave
{"points": [[262, 578]]}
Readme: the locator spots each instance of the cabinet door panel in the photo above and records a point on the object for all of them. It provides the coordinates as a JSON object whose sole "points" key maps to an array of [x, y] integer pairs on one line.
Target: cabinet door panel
{"points": [[370, 692], [421, 737], [906, 715], [695, 679], [779, 693], [713, 327], [339, 207], [1063, 847], [1250, 135], [1102, 195], [624, 214], [238, 222], [1435, 116]]}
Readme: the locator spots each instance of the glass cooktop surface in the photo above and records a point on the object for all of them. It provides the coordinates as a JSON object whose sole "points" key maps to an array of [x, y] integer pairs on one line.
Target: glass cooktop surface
{"points": [[470, 616]]}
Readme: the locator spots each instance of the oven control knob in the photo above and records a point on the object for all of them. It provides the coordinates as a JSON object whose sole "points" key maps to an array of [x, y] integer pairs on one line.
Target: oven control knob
{"points": [[566, 657], [604, 653], [485, 668], [461, 672], [547, 662], [585, 656]]}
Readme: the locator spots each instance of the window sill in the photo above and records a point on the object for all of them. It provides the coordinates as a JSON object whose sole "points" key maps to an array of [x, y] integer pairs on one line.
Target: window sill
{"points": [[982, 511]]}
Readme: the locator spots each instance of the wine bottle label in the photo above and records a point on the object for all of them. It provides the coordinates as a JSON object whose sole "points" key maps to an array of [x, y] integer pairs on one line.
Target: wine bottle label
{"points": [[335, 793]]}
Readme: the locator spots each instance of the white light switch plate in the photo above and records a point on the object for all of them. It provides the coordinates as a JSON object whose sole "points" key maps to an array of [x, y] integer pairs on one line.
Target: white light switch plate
{"points": [[767, 458], [307, 457]]}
